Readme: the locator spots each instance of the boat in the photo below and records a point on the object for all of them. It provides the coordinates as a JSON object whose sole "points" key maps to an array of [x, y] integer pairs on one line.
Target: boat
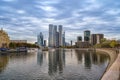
{"points": [[21, 49]]}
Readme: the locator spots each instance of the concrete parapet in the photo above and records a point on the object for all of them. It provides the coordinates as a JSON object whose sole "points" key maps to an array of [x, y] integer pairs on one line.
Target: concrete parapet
{"points": [[113, 69]]}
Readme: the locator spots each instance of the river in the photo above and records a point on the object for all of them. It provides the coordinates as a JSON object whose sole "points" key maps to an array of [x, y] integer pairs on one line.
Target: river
{"points": [[59, 64]]}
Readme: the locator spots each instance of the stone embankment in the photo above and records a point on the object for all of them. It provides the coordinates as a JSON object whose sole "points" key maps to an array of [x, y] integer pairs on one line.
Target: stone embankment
{"points": [[113, 69]]}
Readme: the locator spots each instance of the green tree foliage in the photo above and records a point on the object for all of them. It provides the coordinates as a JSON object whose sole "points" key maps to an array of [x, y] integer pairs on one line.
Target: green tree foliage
{"points": [[29, 45], [103, 40], [107, 44], [113, 43], [12, 45]]}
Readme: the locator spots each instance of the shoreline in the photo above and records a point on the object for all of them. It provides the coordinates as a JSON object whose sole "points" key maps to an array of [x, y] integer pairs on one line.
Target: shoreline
{"points": [[112, 72]]}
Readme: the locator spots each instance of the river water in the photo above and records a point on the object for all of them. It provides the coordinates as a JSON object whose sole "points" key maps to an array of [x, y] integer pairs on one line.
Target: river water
{"points": [[59, 64]]}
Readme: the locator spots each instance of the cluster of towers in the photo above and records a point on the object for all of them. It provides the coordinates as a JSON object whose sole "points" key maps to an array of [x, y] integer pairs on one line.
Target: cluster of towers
{"points": [[56, 36], [89, 39], [86, 36], [40, 40]]}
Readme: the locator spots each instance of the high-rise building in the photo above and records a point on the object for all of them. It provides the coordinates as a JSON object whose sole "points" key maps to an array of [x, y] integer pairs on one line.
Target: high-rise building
{"points": [[57, 39], [60, 35], [45, 43], [96, 38], [56, 36], [82, 44], [71, 42], [93, 39], [79, 38], [51, 27], [87, 35], [63, 44], [99, 37], [40, 40]]}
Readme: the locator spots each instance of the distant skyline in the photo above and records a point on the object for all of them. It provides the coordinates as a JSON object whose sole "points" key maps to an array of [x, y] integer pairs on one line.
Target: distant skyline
{"points": [[25, 19]]}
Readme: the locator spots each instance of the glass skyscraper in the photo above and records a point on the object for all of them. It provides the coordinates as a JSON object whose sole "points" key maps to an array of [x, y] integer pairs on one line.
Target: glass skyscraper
{"points": [[87, 35], [51, 35], [63, 41], [60, 35], [40, 40], [56, 36]]}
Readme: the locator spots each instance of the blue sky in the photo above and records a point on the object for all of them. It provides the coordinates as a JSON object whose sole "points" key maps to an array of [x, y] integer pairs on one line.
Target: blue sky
{"points": [[24, 19]]}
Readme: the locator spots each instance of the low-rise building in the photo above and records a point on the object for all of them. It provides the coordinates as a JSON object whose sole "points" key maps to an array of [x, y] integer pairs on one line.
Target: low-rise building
{"points": [[18, 41], [81, 44]]}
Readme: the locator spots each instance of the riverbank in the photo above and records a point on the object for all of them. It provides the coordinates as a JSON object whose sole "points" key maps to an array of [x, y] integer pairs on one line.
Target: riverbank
{"points": [[113, 70]]}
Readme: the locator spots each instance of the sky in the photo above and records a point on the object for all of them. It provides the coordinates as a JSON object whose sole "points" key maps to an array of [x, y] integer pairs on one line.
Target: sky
{"points": [[25, 19]]}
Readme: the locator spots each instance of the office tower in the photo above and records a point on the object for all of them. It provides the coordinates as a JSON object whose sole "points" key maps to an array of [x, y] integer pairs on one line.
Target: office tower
{"points": [[51, 27], [63, 39], [60, 35], [55, 35], [99, 37], [45, 43], [57, 39], [71, 42], [79, 38], [93, 39], [87, 35], [40, 39], [96, 38]]}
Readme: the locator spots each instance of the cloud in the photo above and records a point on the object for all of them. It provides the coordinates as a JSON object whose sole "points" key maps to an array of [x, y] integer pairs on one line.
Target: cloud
{"points": [[75, 16], [9, 0], [20, 11], [48, 2], [49, 11], [113, 12]]}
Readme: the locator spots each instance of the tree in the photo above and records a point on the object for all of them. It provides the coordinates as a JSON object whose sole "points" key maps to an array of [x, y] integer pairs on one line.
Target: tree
{"points": [[12, 45], [113, 44], [103, 40]]}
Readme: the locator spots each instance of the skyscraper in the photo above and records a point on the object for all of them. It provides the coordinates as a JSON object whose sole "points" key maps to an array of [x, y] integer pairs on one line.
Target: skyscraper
{"points": [[63, 41], [96, 38], [45, 43], [79, 38], [99, 37], [93, 39], [60, 35], [57, 39], [87, 35], [40, 40], [51, 27], [56, 36]]}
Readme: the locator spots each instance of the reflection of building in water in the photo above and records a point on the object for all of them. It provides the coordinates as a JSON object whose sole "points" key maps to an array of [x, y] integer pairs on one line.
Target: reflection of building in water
{"points": [[56, 61], [88, 58], [79, 56], [3, 62], [40, 58]]}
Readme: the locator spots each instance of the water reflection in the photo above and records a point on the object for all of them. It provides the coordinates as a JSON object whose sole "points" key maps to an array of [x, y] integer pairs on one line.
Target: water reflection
{"points": [[5, 58], [89, 58], [67, 63], [56, 61], [40, 58], [3, 62]]}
